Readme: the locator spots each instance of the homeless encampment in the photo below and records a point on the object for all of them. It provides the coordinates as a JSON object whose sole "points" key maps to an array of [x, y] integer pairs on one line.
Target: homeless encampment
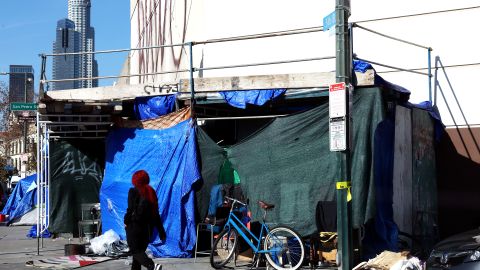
{"points": [[23, 198]]}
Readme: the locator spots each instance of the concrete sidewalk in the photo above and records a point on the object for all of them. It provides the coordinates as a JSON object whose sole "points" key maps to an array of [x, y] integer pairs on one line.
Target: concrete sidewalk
{"points": [[16, 249]]}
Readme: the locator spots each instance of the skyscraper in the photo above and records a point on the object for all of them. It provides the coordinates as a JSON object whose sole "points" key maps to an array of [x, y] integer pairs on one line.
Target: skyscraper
{"points": [[66, 67], [21, 81], [80, 37]]}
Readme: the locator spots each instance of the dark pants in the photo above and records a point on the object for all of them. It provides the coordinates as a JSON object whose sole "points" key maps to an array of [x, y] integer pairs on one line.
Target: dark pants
{"points": [[140, 259], [138, 239]]}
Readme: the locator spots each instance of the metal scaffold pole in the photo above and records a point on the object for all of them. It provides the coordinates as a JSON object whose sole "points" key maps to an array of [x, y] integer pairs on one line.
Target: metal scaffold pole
{"points": [[343, 75]]}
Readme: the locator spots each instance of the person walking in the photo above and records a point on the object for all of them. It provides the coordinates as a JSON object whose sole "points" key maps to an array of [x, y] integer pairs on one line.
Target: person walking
{"points": [[140, 220]]}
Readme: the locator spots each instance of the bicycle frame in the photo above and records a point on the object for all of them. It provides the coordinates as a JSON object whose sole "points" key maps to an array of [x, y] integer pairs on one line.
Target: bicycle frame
{"points": [[235, 222]]}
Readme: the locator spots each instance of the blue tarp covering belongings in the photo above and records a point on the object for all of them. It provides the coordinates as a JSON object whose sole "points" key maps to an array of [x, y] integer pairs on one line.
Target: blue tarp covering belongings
{"points": [[153, 107], [240, 99], [22, 199], [169, 156]]}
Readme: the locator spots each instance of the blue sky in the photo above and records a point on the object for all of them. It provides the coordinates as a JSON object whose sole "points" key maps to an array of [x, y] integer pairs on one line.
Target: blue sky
{"points": [[27, 28]]}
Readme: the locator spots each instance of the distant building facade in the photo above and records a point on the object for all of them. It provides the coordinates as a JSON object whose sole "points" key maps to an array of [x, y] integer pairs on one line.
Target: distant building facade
{"points": [[21, 82], [75, 35]]}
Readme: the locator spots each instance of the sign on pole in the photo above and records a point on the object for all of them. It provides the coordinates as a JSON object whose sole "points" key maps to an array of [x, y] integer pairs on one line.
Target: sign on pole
{"points": [[23, 106], [329, 21], [337, 111], [31, 118], [336, 100], [338, 134]]}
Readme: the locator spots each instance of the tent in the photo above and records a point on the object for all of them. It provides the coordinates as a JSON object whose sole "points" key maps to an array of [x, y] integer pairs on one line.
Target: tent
{"points": [[169, 156], [22, 199]]}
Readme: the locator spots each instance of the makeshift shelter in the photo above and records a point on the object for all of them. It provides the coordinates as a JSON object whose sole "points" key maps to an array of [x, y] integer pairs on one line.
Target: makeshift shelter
{"points": [[277, 149], [22, 199], [169, 156], [288, 162], [76, 176]]}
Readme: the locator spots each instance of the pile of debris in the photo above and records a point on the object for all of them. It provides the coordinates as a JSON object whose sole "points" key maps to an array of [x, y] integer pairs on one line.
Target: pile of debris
{"points": [[388, 260]]}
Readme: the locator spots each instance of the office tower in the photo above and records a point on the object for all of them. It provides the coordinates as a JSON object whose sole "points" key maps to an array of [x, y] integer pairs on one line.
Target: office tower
{"points": [[21, 82], [75, 35], [79, 13], [66, 67]]}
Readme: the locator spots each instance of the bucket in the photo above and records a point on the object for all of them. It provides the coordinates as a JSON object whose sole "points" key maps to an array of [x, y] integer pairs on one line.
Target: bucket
{"points": [[3, 218]]}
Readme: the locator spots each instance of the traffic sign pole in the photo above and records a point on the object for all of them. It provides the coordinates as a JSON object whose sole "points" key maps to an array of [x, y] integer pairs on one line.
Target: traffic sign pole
{"points": [[343, 185]]}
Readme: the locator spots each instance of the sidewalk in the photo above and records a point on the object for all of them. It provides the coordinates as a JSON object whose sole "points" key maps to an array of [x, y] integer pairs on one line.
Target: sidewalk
{"points": [[16, 249]]}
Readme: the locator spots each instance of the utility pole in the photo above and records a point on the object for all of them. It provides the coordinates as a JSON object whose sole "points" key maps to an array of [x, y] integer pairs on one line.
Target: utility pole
{"points": [[343, 75], [25, 127]]}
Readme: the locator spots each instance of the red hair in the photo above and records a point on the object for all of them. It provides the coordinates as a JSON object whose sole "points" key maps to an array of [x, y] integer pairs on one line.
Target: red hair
{"points": [[141, 180]]}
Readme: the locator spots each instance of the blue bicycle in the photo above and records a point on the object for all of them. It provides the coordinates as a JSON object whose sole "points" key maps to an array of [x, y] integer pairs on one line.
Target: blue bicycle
{"points": [[282, 246]]}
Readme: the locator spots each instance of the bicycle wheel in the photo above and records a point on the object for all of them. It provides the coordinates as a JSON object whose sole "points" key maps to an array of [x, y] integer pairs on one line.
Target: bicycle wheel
{"points": [[223, 248], [285, 248]]}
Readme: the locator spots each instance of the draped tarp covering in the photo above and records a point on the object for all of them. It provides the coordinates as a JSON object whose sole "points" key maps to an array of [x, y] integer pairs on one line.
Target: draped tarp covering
{"points": [[22, 199], [240, 99], [153, 107], [161, 122], [76, 176], [169, 156], [289, 163]]}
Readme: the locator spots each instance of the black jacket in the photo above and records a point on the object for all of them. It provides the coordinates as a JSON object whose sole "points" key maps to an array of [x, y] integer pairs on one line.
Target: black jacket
{"points": [[140, 220]]}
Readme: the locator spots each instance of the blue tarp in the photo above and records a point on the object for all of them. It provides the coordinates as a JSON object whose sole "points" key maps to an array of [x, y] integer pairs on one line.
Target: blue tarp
{"points": [[153, 107], [170, 158], [23, 198], [240, 99], [33, 232], [382, 233]]}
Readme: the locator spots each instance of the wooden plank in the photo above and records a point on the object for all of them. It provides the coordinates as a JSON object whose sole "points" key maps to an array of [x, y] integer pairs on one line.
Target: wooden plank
{"points": [[110, 93], [289, 81], [424, 178], [402, 170], [205, 85]]}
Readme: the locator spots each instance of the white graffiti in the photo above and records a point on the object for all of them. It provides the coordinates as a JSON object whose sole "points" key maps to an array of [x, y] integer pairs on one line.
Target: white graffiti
{"points": [[79, 165]]}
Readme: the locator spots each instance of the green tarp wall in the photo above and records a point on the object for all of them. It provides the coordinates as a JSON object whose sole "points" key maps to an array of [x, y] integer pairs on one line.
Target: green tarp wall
{"points": [[76, 177], [288, 163]]}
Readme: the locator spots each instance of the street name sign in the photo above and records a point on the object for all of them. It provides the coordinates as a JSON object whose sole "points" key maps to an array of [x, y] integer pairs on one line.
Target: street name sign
{"points": [[329, 21], [23, 106]]}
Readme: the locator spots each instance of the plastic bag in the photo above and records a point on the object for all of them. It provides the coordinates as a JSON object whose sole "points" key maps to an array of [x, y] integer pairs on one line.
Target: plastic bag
{"points": [[101, 243]]}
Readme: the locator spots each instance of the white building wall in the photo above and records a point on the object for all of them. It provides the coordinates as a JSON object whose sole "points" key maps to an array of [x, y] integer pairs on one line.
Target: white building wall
{"points": [[451, 35]]}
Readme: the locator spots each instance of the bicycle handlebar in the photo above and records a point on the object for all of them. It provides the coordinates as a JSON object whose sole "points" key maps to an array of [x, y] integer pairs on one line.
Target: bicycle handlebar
{"points": [[235, 201]]}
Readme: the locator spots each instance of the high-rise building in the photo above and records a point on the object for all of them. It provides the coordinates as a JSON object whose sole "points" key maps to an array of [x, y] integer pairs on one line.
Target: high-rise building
{"points": [[80, 37], [21, 82], [79, 13], [66, 67]]}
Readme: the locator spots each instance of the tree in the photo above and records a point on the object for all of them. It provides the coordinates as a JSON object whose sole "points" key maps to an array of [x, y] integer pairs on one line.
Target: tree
{"points": [[10, 130]]}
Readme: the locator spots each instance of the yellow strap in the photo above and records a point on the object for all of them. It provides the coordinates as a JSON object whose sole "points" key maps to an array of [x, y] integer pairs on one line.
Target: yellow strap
{"points": [[346, 185]]}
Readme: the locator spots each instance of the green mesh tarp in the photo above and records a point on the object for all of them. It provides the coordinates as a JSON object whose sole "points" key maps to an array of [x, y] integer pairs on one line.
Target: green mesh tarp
{"points": [[288, 163], [76, 177]]}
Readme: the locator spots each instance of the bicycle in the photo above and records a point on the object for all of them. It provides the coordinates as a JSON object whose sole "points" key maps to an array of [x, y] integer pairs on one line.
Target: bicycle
{"points": [[282, 246]]}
